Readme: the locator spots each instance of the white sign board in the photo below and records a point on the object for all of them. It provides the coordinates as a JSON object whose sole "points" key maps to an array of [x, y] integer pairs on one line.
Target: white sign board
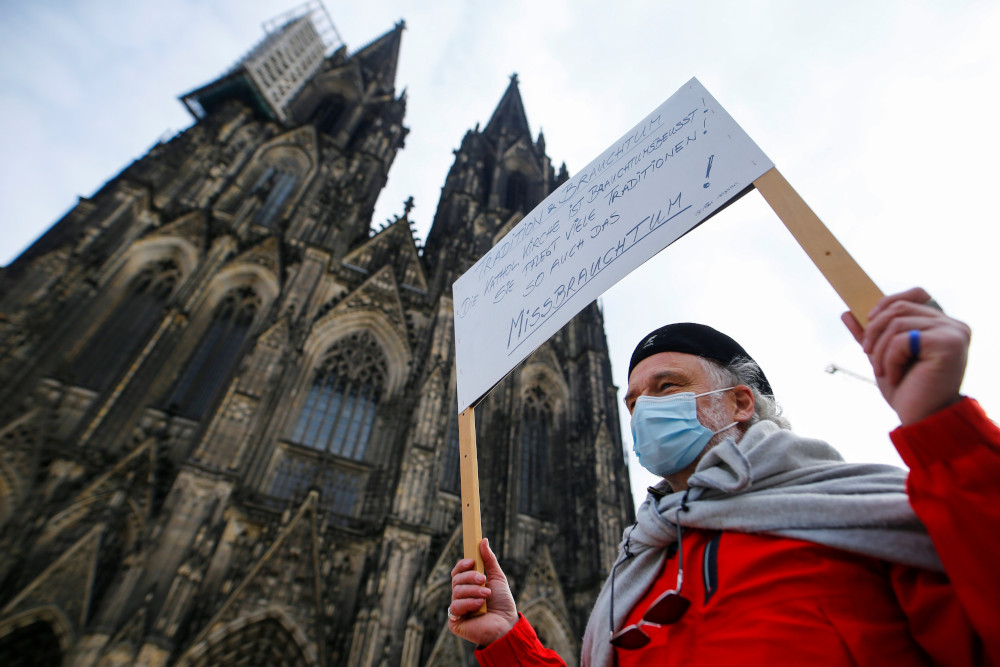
{"points": [[670, 172]]}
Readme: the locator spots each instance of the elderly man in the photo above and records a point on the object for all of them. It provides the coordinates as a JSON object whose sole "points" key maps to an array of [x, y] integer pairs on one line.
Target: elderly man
{"points": [[763, 547]]}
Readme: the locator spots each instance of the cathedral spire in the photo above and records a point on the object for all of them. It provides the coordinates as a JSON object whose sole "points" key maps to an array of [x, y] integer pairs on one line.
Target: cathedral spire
{"points": [[509, 116], [380, 57]]}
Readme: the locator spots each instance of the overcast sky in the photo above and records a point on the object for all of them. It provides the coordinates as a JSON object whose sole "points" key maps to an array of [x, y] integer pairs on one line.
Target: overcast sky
{"points": [[881, 114]]}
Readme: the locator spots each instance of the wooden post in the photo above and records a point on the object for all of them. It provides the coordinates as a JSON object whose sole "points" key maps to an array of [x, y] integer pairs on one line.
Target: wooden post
{"points": [[847, 278], [472, 522]]}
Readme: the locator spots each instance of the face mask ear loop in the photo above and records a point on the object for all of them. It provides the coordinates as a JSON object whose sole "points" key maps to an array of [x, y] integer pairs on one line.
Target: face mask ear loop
{"points": [[714, 391], [726, 428]]}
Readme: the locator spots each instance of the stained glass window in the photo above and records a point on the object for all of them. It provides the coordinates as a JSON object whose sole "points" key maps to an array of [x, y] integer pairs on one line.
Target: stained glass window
{"points": [[339, 411], [291, 477], [208, 367], [340, 490]]}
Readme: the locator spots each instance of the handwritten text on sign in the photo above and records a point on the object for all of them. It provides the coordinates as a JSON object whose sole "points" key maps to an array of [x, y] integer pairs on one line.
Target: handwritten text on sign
{"points": [[671, 171]]}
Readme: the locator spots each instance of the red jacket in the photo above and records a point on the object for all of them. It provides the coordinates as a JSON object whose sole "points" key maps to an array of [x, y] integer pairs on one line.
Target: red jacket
{"points": [[766, 600]]}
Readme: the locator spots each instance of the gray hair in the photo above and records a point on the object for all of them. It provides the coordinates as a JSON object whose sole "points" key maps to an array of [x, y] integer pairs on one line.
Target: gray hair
{"points": [[742, 370]]}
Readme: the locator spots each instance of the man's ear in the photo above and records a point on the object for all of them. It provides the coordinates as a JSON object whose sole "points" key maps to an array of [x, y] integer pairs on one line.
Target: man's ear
{"points": [[743, 398]]}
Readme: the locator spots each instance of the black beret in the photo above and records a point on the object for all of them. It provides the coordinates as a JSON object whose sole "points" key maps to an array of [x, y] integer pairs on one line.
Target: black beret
{"points": [[696, 339]]}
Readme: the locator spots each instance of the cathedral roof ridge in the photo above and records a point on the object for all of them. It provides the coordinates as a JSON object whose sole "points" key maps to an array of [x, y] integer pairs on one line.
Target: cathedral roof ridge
{"points": [[398, 27]]}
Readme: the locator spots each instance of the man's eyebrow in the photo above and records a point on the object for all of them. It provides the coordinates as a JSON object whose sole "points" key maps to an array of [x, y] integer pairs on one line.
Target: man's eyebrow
{"points": [[669, 374], [660, 376]]}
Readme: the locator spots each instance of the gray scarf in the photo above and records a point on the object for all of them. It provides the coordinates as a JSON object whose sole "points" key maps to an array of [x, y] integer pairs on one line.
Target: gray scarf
{"points": [[773, 482]]}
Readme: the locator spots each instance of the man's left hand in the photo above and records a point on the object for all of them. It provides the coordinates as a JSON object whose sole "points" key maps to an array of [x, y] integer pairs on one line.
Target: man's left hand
{"points": [[914, 385]]}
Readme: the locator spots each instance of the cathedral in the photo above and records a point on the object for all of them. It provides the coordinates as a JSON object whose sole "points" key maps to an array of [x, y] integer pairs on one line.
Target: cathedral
{"points": [[228, 429]]}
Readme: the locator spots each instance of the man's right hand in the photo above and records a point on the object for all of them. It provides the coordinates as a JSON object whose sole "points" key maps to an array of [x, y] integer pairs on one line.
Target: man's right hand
{"points": [[469, 589]]}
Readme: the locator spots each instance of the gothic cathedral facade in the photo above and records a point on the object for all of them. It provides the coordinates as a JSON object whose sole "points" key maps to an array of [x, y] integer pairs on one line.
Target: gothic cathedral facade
{"points": [[227, 403]]}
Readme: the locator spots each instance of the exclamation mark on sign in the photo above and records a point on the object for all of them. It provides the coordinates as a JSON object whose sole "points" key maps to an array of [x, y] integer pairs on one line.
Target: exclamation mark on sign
{"points": [[709, 170]]}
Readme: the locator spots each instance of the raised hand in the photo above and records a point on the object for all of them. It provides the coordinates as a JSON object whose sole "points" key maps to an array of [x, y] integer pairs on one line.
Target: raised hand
{"points": [[917, 352]]}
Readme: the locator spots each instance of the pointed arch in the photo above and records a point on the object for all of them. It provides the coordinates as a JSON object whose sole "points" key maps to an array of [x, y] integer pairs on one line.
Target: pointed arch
{"points": [[551, 627], [542, 369], [231, 308], [162, 245], [384, 331], [278, 174], [543, 603], [35, 629], [256, 268], [269, 632], [189, 228]]}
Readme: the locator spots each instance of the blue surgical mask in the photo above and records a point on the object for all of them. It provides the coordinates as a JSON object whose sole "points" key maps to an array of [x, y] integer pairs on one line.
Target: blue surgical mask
{"points": [[667, 433]]}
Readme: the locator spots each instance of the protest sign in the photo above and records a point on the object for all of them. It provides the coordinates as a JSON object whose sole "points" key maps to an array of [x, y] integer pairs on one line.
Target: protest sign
{"points": [[680, 164], [675, 169]]}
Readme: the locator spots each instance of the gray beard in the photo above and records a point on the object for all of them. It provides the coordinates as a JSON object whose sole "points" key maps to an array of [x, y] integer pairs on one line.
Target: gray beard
{"points": [[713, 417]]}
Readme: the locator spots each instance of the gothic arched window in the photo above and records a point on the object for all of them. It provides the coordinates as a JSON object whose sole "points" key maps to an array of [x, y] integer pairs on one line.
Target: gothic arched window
{"points": [[339, 411], [261, 642], [34, 643], [123, 333], [208, 367], [536, 429], [516, 196]]}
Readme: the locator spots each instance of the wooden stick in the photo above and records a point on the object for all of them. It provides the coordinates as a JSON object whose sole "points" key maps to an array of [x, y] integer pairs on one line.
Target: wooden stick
{"points": [[472, 522], [847, 278]]}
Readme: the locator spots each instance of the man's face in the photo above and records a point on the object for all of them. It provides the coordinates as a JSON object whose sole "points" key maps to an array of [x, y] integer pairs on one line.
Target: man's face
{"points": [[666, 373]]}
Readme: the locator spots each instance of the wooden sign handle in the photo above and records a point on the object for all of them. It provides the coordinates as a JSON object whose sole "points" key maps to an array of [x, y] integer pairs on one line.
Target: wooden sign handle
{"points": [[472, 522], [847, 278]]}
